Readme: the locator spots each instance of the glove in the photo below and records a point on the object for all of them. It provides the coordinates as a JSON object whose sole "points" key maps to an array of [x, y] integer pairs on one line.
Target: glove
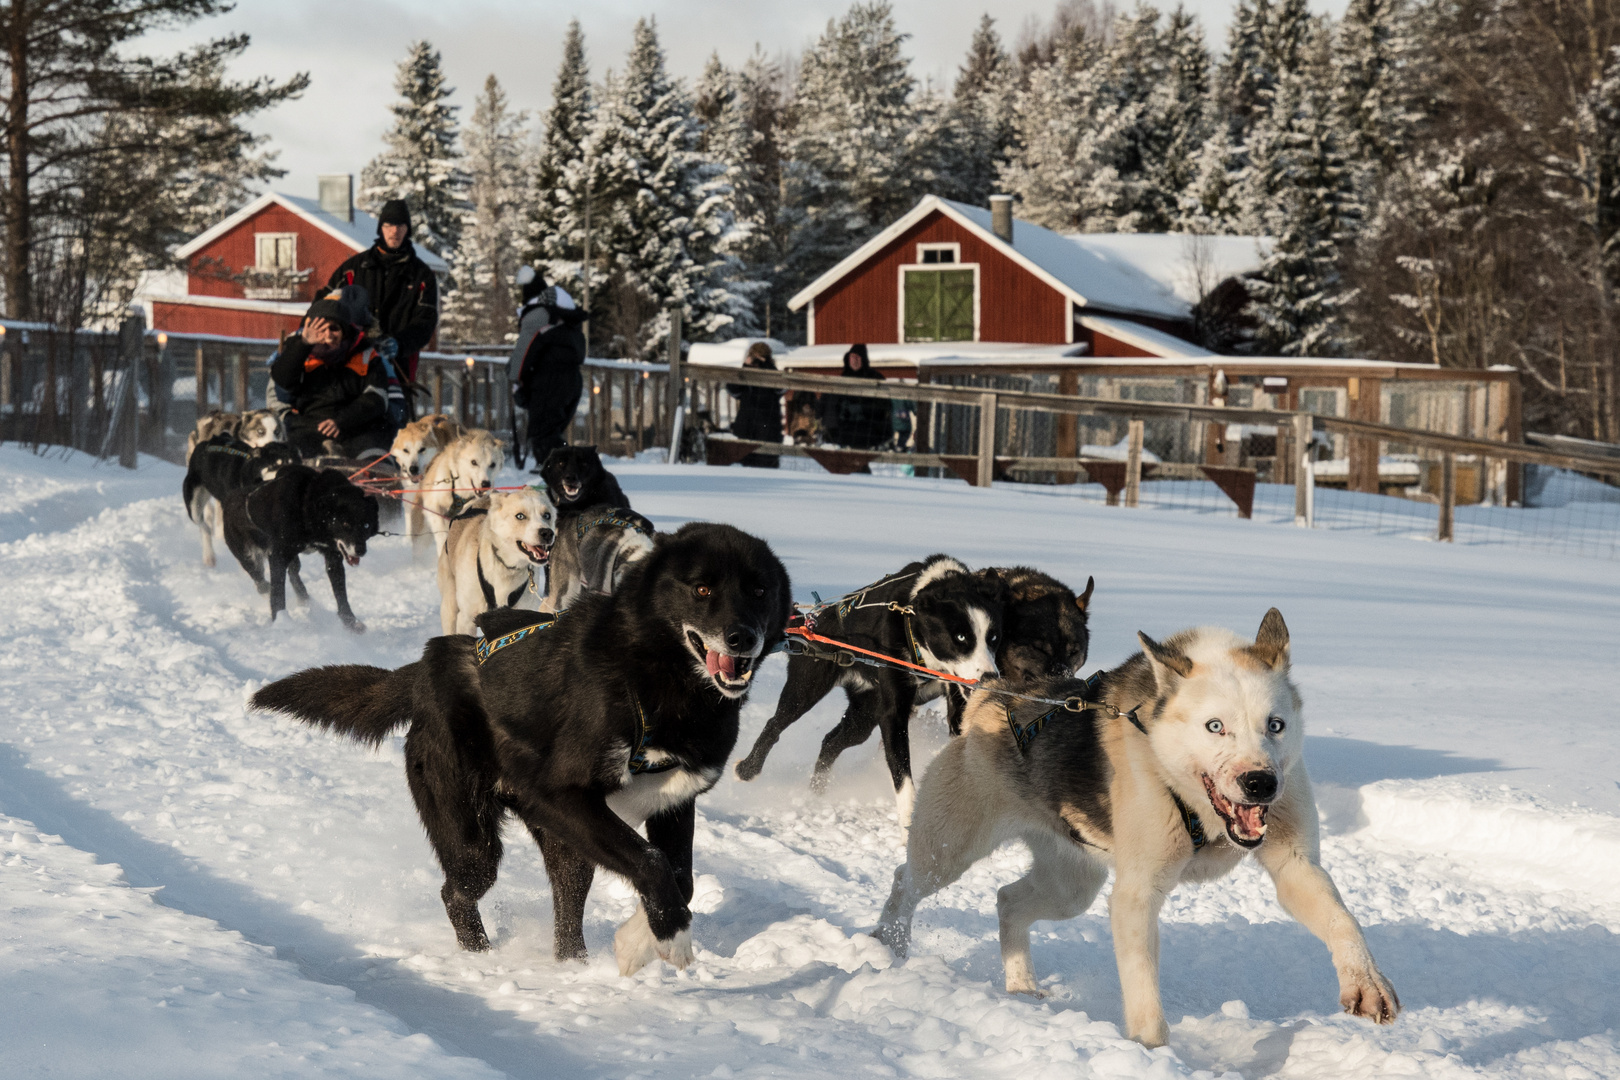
{"points": [[388, 349]]}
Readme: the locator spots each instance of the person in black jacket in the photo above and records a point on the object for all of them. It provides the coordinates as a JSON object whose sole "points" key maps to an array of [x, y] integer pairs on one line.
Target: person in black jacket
{"points": [[335, 382], [859, 423], [548, 381], [759, 408], [404, 293]]}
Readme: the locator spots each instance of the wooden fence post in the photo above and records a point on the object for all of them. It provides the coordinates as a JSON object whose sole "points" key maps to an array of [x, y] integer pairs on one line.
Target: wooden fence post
{"points": [[202, 383], [438, 388], [1304, 476], [242, 382], [677, 384], [466, 394], [1448, 497], [1133, 464], [987, 440]]}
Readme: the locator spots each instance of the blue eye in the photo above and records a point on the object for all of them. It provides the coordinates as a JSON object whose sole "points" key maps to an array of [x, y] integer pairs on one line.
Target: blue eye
{"points": [[1215, 727], [1276, 725]]}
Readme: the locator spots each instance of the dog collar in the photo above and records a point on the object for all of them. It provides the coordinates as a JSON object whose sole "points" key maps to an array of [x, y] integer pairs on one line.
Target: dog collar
{"points": [[486, 647], [1189, 820], [626, 520], [638, 764]]}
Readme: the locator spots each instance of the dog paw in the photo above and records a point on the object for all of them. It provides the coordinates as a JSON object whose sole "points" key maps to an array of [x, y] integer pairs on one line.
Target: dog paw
{"points": [[676, 950], [895, 938], [819, 781], [634, 946], [747, 768], [1021, 976], [1367, 993], [355, 626]]}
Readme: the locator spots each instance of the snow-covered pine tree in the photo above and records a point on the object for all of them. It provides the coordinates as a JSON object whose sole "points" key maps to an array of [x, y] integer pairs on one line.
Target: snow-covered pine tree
{"points": [[479, 308], [422, 162], [981, 115], [730, 144], [1370, 93], [559, 175], [664, 216], [1043, 168], [1312, 211], [856, 158]]}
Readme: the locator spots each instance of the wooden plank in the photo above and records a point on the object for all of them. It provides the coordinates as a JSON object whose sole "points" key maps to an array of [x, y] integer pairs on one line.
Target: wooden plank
{"points": [[1448, 498], [987, 441], [1236, 483], [1303, 475], [1133, 464]]}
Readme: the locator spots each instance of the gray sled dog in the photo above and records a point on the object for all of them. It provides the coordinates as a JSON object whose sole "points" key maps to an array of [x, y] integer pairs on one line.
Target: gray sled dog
{"points": [[594, 549], [1218, 744], [490, 555]]}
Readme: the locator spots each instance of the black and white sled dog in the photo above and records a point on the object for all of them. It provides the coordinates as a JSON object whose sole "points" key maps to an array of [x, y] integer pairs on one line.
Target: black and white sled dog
{"points": [[619, 712], [220, 466], [934, 613], [1191, 762], [594, 549], [576, 479], [302, 509]]}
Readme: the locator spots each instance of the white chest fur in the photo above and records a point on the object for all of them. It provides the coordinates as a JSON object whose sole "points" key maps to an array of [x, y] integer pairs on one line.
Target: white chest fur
{"points": [[642, 795]]}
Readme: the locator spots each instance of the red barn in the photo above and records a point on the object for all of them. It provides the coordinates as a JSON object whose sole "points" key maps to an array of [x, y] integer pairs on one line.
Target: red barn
{"points": [[254, 274], [945, 272]]}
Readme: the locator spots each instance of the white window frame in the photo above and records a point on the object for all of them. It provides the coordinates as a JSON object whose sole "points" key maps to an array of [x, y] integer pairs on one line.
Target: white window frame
{"points": [[953, 247], [900, 285], [259, 240]]}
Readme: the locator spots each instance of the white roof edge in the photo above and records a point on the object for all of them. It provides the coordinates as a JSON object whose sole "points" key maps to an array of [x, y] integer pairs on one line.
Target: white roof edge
{"points": [[273, 307], [214, 232], [1157, 342]]}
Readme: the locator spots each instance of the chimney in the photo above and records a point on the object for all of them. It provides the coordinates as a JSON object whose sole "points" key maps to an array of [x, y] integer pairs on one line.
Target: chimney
{"points": [[1001, 219], [337, 195]]}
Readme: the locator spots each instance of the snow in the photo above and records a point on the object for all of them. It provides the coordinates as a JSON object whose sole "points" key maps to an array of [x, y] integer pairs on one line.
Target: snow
{"points": [[193, 890]]}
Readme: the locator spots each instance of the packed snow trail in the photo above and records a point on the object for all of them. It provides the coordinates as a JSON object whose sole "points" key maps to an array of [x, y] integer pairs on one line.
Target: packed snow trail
{"points": [[1458, 701]]}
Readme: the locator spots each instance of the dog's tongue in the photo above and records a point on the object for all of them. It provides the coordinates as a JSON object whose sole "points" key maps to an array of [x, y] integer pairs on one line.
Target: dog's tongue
{"points": [[1251, 820], [720, 662]]}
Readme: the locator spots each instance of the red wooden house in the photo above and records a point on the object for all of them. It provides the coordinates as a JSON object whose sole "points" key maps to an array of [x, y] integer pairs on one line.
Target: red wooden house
{"points": [[949, 272], [255, 273]]}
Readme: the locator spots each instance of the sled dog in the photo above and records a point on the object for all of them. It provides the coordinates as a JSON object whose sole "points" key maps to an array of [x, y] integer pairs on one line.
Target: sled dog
{"points": [[257, 428], [933, 613], [414, 447], [619, 712], [222, 465], [576, 480], [460, 471], [490, 554], [302, 509], [1213, 773], [593, 551]]}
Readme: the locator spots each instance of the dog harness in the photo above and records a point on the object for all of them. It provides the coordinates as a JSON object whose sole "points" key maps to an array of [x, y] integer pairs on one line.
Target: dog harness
{"points": [[487, 647], [638, 763], [624, 519]]}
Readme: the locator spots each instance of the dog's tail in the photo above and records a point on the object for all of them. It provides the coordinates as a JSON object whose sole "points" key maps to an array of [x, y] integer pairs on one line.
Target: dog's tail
{"points": [[188, 491], [365, 703]]}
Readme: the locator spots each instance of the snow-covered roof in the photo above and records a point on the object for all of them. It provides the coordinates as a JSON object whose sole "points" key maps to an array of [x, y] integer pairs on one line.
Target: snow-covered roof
{"points": [[1152, 274], [913, 354], [1149, 340], [358, 234], [729, 353]]}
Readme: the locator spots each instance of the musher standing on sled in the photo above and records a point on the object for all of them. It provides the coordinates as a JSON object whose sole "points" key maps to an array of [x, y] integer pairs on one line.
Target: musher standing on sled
{"points": [[545, 365], [404, 295]]}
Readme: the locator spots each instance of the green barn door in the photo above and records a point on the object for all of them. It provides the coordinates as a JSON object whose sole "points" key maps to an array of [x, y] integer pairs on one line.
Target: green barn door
{"points": [[939, 305]]}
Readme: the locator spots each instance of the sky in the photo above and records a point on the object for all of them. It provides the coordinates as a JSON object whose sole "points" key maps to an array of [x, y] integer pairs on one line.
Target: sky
{"points": [[350, 50]]}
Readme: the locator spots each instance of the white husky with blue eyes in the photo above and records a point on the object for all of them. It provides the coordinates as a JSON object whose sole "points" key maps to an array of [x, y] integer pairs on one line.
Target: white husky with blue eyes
{"points": [[1190, 760]]}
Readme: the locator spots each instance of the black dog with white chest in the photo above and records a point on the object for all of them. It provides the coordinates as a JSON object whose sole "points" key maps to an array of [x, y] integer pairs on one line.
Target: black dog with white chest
{"points": [[302, 509], [935, 614], [220, 466], [617, 713], [576, 479]]}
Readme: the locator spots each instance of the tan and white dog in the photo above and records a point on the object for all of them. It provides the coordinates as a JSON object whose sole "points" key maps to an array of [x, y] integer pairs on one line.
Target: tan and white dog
{"points": [[415, 446], [261, 427], [461, 471], [1213, 773], [491, 553]]}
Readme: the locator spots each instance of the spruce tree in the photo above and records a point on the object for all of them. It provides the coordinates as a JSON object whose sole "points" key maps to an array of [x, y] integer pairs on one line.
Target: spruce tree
{"points": [[422, 162], [1043, 168], [560, 175], [1369, 86], [981, 113], [480, 307]]}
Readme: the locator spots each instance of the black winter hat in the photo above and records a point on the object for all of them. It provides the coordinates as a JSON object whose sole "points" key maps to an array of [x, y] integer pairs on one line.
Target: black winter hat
{"points": [[531, 283], [395, 212]]}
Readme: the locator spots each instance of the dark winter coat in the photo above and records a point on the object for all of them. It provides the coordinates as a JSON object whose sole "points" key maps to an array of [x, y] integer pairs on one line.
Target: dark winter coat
{"points": [[550, 382], [350, 389], [857, 422], [759, 410], [404, 296]]}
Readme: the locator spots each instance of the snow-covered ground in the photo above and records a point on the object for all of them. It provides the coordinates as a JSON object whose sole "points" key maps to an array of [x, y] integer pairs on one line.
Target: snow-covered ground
{"points": [[190, 890]]}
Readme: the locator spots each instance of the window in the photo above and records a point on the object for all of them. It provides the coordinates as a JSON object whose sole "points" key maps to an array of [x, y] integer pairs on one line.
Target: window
{"points": [[939, 253], [939, 305], [275, 251]]}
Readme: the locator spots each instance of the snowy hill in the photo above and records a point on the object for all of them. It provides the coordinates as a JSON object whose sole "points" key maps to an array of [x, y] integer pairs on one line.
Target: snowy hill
{"points": [[193, 891]]}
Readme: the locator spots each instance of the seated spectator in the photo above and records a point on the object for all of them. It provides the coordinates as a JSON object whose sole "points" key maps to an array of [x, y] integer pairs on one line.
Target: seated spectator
{"points": [[759, 408], [336, 385]]}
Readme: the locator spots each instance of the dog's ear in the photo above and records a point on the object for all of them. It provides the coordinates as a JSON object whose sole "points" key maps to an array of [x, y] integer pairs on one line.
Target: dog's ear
{"points": [[1084, 599], [1168, 664], [1271, 642]]}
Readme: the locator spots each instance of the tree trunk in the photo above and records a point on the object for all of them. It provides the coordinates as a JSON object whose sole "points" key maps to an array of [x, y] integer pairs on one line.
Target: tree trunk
{"points": [[19, 224]]}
